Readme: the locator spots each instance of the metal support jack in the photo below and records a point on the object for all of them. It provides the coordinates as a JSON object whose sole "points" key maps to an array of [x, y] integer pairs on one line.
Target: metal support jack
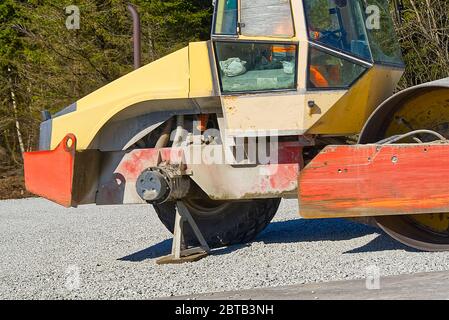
{"points": [[180, 253]]}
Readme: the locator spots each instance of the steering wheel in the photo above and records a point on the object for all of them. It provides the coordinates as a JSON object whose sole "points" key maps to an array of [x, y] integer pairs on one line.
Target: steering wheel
{"points": [[335, 36]]}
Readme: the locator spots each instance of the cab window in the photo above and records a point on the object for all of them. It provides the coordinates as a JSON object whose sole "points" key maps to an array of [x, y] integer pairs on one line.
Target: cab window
{"points": [[361, 28], [339, 24], [256, 66], [327, 71], [270, 18], [225, 17], [383, 40]]}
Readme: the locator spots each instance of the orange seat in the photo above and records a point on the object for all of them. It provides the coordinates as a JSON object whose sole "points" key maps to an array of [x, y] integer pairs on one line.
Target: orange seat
{"points": [[284, 49], [317, 78]]}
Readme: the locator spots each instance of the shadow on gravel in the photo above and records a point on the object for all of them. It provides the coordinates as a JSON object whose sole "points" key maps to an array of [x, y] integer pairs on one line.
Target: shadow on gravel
{"points": [[382, 243], [303, 230], [299, 230], [158, 250]]}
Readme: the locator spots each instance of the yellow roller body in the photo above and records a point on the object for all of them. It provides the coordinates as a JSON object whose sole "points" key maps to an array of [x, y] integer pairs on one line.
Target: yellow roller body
{"points": [[183, 74]]}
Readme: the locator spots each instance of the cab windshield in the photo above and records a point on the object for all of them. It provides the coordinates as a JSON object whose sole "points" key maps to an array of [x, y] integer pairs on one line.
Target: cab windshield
{"points": [[269, 18], [362, 28], [226, 17]]}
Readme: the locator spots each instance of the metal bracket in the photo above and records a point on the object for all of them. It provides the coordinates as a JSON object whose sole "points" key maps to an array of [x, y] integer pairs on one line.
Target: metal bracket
{"points": [[180, 253]]}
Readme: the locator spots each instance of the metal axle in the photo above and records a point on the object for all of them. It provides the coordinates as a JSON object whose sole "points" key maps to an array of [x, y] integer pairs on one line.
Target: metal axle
{"points": [[155, 185]]}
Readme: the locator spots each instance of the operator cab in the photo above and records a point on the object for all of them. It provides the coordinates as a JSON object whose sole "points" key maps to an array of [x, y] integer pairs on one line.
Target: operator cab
{"points": [[257, 43], [358, 29]]}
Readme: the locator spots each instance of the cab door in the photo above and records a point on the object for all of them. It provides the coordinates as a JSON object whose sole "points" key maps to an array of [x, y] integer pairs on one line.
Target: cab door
{"points": [[257, 55]]}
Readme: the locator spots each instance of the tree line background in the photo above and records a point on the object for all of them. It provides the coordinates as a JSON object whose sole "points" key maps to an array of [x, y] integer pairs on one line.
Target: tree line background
{"points": [[43, 65]]}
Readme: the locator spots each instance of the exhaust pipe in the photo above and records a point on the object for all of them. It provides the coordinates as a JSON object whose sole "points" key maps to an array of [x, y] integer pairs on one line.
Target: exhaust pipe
{"points": [[136, 35]]}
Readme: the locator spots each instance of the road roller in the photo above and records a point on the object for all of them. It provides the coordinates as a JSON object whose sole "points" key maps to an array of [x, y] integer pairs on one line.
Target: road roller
{"points": [[288, 99]]}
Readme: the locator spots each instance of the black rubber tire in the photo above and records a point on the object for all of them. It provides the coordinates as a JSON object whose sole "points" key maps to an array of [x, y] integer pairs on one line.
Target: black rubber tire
{"points": [[234, 223]]}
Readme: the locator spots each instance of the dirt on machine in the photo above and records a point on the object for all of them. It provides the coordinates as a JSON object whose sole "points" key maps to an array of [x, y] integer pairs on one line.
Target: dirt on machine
{"points": [[288, 99]]}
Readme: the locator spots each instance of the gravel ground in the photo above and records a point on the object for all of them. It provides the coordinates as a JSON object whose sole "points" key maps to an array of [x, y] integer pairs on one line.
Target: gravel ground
{"points": [[48, 252]]}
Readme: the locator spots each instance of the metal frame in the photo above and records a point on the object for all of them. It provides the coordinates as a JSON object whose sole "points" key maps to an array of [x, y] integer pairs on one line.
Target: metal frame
{"points": [[120, 171], [180, 253]]}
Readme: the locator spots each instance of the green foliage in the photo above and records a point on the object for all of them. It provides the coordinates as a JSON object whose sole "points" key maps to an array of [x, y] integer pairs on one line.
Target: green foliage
{"points": [[47, 66], [424, 37]]}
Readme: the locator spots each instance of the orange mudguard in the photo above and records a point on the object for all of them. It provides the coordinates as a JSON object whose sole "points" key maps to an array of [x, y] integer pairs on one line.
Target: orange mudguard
{"points": [[49, 174]]}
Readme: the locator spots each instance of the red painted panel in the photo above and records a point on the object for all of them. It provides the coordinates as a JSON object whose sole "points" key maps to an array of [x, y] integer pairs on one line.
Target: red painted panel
{"points": [[270, 180], [138, 160], [369, 180], [49, 174]]}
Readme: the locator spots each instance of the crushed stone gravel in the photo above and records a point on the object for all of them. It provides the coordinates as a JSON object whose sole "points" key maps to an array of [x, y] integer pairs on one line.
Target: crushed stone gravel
{"points": [[110, 252]]}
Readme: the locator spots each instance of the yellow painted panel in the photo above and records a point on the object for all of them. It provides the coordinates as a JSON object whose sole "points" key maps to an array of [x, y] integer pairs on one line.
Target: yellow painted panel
{"points": [[350, 113], [270, 111], [287, 112], [166, 78], [423, 111], [323, 102], [201, 83]]}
